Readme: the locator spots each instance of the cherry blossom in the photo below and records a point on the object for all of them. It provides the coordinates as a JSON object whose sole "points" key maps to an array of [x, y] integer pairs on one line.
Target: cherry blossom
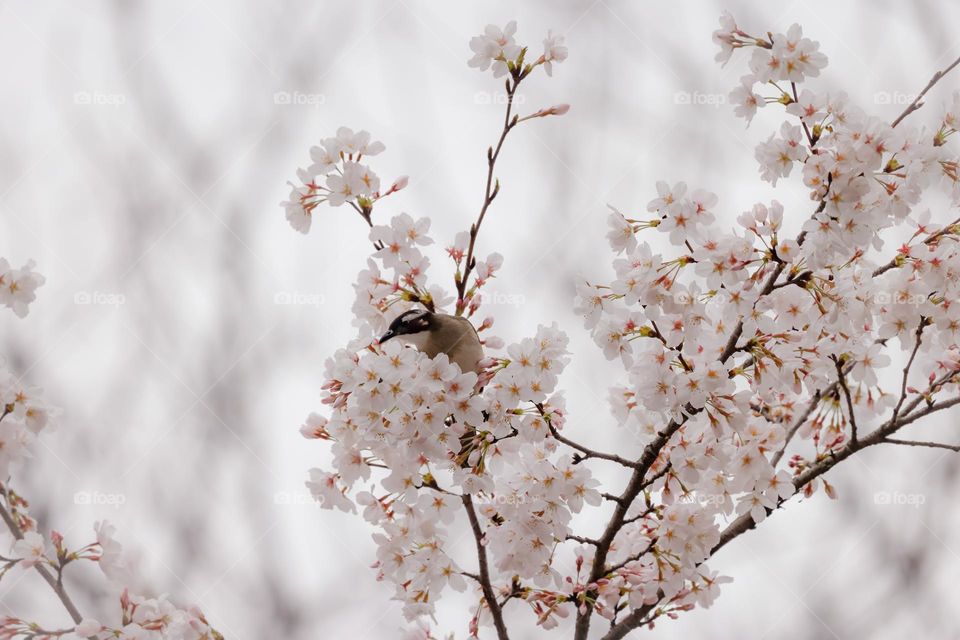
{"points": [[553, 51], [30, 549], [752, 358], [337, 177], [495, 47], [18, 286]]}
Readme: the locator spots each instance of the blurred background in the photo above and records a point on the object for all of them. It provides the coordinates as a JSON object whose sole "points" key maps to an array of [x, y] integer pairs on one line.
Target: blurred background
{"points": [[184, 325]]}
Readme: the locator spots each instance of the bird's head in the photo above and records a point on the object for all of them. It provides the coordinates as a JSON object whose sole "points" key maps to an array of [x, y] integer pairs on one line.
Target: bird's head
{"points": [[409, 324]]}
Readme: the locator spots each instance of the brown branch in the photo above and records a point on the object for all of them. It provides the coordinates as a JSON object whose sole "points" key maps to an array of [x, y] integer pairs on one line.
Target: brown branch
{"points": [[921, 443], [489, 193], [650, 454], [639, 617], [634, 487], [880, 435], [842, 381], [365, 214], [906, 368], [44, 572], [917, 103], [585, 451], [485, 585]]}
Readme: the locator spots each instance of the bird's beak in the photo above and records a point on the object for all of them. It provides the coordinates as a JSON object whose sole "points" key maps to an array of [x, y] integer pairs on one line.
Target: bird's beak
{"points": [[389, 334]]}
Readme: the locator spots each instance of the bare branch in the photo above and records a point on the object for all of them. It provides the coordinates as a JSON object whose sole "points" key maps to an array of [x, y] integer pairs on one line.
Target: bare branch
{"points": [[906, 368], [585, 451], [485, 584], [920, 443], [842, 381], [489, 193], [918, 102]]}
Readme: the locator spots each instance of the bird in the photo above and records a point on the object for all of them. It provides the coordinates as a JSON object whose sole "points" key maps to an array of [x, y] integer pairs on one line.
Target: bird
{"points": [[436, 333]]}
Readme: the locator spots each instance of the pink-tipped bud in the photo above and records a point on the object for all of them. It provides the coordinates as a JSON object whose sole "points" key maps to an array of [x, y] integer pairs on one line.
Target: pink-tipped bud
{"points": [[399, 183], [555, 110]]}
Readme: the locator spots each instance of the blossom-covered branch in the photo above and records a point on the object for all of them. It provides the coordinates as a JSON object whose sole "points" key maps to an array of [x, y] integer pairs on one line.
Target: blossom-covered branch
{"points": [[741, 348]]}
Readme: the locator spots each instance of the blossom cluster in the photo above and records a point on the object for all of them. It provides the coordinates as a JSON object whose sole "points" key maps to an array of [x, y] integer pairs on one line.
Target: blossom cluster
{"points": [[24, 417], [337, 176], [730, 333], [419, 433], [498, 50], [733, 342]]}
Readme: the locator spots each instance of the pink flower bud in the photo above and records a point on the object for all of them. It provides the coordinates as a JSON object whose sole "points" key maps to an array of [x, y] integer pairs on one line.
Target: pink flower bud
{"points": [[555, 110]]}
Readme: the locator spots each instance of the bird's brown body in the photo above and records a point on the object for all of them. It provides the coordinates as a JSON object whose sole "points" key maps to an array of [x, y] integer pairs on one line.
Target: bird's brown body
{"points": [[452, 335]]}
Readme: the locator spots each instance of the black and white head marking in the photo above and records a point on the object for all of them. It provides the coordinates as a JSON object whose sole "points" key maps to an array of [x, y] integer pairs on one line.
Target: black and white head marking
{"points": [[408, 323]]}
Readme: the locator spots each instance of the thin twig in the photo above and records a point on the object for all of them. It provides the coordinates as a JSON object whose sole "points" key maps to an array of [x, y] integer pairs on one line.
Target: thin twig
{"points": [[842, 381], [585, 451], [365, 214], [490, 191], [917, 103], [921, 443], [906, 368]]}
